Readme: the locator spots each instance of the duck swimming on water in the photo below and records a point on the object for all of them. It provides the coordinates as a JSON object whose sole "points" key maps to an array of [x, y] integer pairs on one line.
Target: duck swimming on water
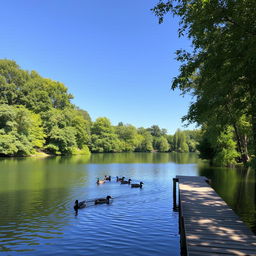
{"points": [[126, 181], [102, 200], [100, 181], [137, 185], [79, 205], [107, 178], [119, 179]]}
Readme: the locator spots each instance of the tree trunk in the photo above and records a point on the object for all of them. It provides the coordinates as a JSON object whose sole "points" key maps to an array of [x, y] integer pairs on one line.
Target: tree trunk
{"points": [[254, 130], [245, 155], [242, 145], [238, 140], [252, 89]]}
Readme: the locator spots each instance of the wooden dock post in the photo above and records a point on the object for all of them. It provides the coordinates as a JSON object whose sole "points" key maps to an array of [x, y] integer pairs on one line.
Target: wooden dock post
{"points": [[174, 184]]}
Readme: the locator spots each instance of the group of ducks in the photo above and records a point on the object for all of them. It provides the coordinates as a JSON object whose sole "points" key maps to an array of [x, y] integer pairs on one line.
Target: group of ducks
{"points": [[82, 204], [122, 181]]}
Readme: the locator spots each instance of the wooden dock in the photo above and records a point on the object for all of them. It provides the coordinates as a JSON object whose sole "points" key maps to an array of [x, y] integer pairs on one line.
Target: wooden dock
{"points": [[207, 225]]}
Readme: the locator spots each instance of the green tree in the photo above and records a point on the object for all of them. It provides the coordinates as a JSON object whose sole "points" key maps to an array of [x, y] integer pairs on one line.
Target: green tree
{"points": [[179, 142], [85, 114], [170, 139], [155, 131], [219, 70], [218, 146], [66, 131], [103, 137], [128, 136], [192, 138], [12, 79], [20, 131], [146, 141], [161, 144], [41, 94], [226, 148], [19, 87]]}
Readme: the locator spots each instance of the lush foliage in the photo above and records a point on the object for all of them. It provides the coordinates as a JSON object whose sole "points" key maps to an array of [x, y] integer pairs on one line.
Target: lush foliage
{"points": [[20, 131], [36, 114], [218, 72]]}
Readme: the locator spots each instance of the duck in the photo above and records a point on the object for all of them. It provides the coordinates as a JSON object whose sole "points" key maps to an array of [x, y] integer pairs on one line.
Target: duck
{"points": [[107, 178], [100, 181], [119, 179], [126, 181], [79, 205], [102, 200], [137, 185]]}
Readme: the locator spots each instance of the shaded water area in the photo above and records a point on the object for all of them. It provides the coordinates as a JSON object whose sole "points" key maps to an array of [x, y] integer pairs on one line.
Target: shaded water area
{"points": [[37, 198]]}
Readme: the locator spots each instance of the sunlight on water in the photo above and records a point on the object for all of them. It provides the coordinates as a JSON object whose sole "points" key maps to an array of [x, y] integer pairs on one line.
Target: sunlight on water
{"points": [[37, 198]]}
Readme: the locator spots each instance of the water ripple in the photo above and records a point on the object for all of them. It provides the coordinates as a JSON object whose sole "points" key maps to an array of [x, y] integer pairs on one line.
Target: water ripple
{"points": [[137, 222]]}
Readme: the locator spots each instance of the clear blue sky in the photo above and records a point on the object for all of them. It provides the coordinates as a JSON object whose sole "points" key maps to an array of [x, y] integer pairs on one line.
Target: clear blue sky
{"points": [[112, 55]]}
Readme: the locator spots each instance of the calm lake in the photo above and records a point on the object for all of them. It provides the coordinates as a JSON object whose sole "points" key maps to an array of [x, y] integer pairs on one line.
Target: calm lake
{"points": [[37, 197]]}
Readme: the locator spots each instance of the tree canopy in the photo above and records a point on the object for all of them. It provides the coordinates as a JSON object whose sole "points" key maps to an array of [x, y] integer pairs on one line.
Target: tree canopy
{"points": [[36, 114], [41, 115], [219, 69]]}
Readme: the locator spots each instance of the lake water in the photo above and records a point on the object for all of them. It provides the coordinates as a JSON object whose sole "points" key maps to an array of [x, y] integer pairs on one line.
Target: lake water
{"points": [[37, 198]]}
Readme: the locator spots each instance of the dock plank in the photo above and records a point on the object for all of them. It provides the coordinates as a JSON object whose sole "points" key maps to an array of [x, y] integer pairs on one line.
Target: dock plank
{"points": [[209, 225]]}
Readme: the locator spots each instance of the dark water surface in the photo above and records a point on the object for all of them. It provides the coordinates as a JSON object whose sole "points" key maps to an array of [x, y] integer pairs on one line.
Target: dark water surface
{"points": [[37, 198]]}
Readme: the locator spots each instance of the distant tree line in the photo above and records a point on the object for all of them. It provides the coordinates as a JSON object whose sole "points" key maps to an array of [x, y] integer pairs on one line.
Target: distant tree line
{"points": [[36, 115]]}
